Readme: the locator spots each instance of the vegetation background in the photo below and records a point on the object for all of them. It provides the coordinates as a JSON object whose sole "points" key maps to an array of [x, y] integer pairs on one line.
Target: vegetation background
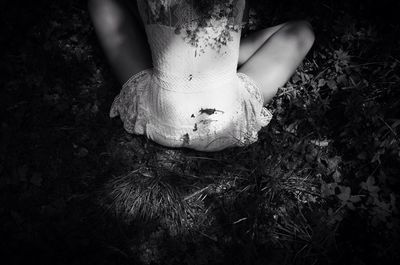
{"points": [[320, 187]]}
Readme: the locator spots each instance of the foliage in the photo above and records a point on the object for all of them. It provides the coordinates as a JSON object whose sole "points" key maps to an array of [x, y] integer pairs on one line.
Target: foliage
{"points": [[202, 23]]}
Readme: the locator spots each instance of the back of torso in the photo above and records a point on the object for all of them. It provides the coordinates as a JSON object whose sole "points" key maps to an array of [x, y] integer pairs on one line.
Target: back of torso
{"points": [[183, 39], [192, 52]]}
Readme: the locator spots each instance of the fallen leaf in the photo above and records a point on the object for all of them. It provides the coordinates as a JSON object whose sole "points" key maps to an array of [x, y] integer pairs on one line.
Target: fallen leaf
{"points": [[345, 194]]}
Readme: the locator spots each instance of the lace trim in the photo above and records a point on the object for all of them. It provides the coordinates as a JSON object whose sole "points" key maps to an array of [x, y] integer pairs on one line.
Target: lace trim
{"points": [[254, 89], [127, 104], [134, 79], [257, 115]]}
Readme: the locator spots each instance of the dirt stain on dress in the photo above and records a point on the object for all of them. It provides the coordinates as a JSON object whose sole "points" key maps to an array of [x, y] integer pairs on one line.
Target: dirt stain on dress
{"points": [[209, 111], [186, 138]]}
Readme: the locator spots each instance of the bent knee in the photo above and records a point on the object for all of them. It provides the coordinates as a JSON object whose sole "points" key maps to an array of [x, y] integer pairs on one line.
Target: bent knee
{"points": [[300, 33]]}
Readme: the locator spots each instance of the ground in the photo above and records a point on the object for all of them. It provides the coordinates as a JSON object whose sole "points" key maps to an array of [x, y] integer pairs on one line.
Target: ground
{"points": [[319, 187]]}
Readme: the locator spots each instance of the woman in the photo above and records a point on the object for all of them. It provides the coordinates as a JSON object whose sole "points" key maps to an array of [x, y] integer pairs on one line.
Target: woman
{"points": [[189, 79]]}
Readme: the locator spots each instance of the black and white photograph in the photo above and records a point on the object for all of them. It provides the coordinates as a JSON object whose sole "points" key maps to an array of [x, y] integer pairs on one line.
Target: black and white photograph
{"points": [[200, 132]]}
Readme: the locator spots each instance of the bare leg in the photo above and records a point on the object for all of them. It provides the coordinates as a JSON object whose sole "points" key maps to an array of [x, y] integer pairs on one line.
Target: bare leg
{"points": [[271, 56], [121, 36], [252, 42]]}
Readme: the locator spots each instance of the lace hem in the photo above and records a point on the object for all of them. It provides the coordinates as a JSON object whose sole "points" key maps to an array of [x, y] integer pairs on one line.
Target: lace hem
{"points": [[257, 116], [254, 90], [128, 103]]}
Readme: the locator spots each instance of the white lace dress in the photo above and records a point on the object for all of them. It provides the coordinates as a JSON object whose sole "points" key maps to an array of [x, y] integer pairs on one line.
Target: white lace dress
{"points": [[193, 96]]}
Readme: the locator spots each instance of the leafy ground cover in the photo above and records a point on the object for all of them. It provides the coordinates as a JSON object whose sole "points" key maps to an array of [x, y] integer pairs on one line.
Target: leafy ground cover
{"points": [[320, 186]]}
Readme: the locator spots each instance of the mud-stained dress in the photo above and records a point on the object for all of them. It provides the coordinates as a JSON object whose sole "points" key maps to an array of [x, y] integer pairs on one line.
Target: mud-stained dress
{"points": [[193, 96]]}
